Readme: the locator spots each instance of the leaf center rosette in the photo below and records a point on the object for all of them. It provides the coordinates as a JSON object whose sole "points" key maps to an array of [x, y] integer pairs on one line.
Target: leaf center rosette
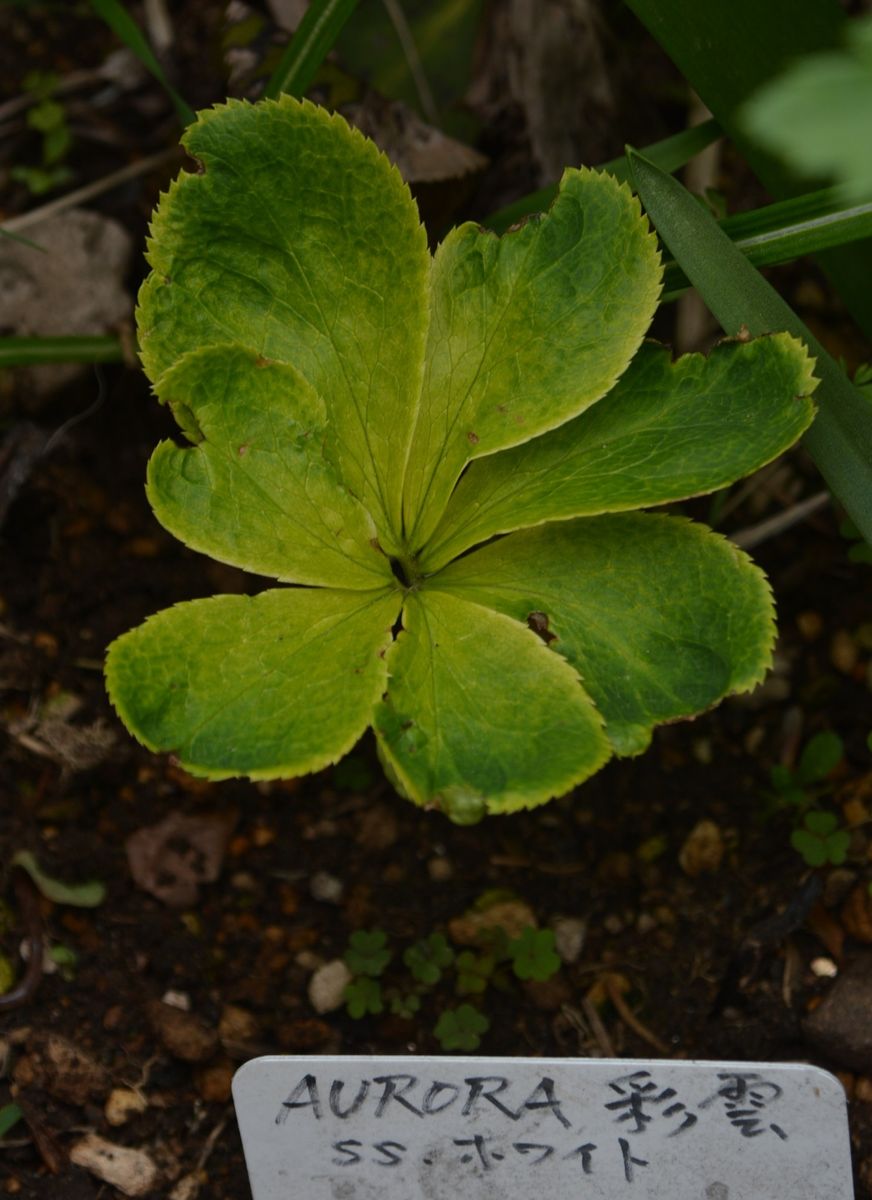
{"points": [[442, 455]]}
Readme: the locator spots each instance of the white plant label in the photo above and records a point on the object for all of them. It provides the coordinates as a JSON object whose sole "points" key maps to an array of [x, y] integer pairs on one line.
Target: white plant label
{"points": [[368, 1128]]}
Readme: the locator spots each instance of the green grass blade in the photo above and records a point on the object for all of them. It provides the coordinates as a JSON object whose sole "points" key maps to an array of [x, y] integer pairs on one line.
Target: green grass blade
{"points": [[37, 351], [776, 234], [16, 237], [310, 45], [840, 440], [10, 1115], [727, 51], [120, 21], [669, 154]]}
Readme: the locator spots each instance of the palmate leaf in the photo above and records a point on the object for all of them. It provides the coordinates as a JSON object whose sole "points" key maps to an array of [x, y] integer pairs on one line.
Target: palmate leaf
{"points": [[667, 431], [268, 686], [660, 617], [527, 330], [300, 243], [458, 668], [255, 490], [334, 383]]}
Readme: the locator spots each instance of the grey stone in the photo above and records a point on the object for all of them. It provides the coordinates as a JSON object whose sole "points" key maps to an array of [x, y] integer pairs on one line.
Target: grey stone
{"points": [[841, 1026]]}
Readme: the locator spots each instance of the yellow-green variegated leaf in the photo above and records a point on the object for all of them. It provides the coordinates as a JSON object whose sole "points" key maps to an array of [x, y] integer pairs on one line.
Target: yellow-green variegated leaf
{"points": [[255, 489], [668, 430], [480, 715], [298, 241], [269, 686], [660, 617], [527, 330]]}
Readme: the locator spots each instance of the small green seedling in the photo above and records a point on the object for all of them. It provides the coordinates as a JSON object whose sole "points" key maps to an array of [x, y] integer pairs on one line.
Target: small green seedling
{"points": [[368, 952], [474, 972], [48, 118], [798, 787], [10, 1115], [820, 840], [443, 455], [363, 996], [533, 955], [405, 1004], [461, 1028], [859, 550], [428, 958]]}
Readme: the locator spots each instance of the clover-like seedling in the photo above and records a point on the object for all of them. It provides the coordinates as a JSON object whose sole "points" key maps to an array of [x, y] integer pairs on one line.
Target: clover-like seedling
{"points": [[367, 952], [441, 455], [533, 954], [428, 958], [461, 1028], [363, 997], [821, 841], [474, 972]]}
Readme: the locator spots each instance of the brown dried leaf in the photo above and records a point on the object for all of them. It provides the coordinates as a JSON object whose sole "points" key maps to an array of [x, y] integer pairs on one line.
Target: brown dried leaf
{"points": [[172, 858]]}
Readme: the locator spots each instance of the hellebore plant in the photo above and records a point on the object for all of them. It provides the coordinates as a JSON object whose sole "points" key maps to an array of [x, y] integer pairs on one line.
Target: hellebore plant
{"points": [[441, 453]]}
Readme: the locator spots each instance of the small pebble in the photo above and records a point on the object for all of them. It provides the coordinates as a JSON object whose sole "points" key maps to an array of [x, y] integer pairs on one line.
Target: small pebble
{"points": [[613, 924], [326, 887], [646, 923], [569, 935], [703, 850], [327, 986], [177, 1000], [810, 625], [824, 968], [844, 651], [440, 870], [122, 1104]]}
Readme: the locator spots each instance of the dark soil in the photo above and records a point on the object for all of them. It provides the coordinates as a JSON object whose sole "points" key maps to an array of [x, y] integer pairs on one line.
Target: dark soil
{"points": [[717, 958]]}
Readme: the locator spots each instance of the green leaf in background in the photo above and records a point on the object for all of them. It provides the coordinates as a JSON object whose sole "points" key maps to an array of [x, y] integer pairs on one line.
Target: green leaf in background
{"points": [[666, 431], [363, 997], [820, 755], [820, 841], [329, 376], [77, 895], [533, 954], [527, 331], [368, 952], [315, 36], [461, 1028], [10, 1115], [728, 51], [455, 661], [840, 440], [123, 25], [443, 36], [817, 115], [660, 617], [268, 686], [304, 247], [428, 958]]}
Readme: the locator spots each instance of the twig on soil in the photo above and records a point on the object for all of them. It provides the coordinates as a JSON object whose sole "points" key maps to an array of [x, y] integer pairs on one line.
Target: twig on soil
{"points": [[28, 903], [598, 1030], [781, 522], [212, 1139], [96, 188], [613, 992]]}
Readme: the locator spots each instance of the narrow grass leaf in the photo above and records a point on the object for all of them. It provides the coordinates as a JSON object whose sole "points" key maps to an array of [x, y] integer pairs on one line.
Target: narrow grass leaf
{"points": [[35, 351], [120, 21], [840, 440], [310, 45], [778, 234]]}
